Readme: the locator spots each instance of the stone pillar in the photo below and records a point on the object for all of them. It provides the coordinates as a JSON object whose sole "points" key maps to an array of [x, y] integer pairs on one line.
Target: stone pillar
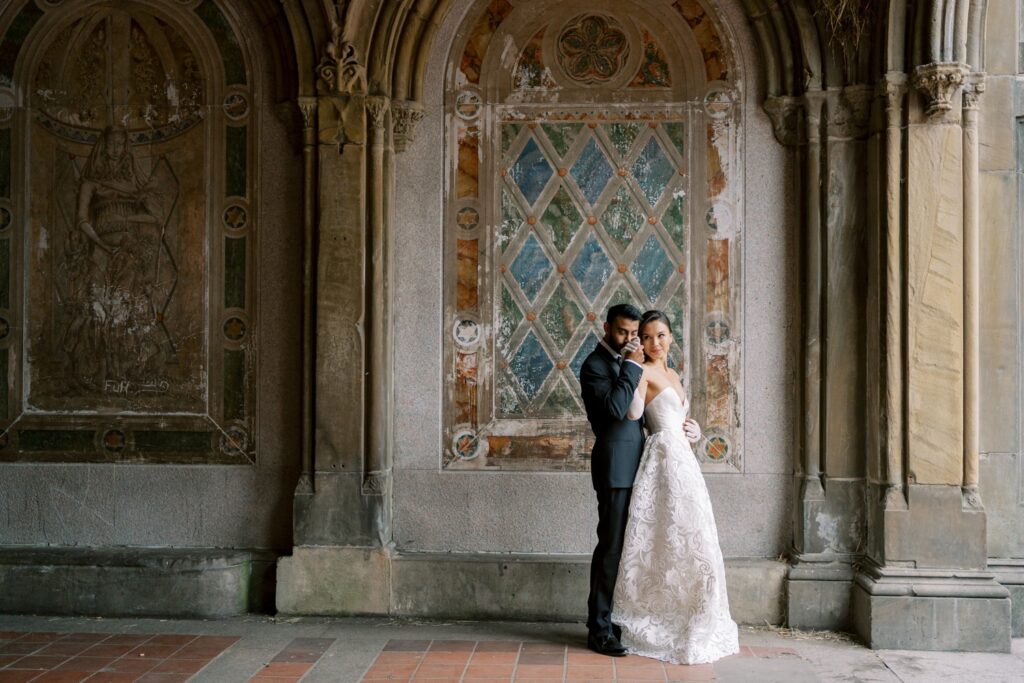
{"points": [[830, 515], [923, 583]]}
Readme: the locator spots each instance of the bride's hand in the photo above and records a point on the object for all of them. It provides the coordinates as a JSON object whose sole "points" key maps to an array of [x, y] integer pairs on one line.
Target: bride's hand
{"points": [[691, 429]]}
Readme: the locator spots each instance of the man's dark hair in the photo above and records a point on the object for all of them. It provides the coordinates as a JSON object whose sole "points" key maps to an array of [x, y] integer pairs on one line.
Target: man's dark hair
{"points": [[627, 311], [653, 315]]}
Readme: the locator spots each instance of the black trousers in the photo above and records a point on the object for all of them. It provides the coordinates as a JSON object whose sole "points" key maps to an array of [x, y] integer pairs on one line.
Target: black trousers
{"points": [[612, 511]]}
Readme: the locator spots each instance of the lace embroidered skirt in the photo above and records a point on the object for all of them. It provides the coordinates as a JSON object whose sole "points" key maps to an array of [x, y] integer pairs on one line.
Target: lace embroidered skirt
{"points": [[670, 597]]}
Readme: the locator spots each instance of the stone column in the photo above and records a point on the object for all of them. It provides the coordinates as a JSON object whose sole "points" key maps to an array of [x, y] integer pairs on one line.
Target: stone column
{"points": [[924, 584], [830, 515]]}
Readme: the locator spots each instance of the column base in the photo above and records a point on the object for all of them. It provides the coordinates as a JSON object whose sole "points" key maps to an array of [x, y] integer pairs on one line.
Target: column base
{"points": [[1010, 573], [913, 609], [819, 595]]}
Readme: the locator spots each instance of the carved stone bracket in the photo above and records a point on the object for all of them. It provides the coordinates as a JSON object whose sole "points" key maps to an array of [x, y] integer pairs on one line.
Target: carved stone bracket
{"points": [[340, 70], [375, 483], [406, 117], [849, 111], [973, 90], [971, 498], [785, 114], [938, 82]]}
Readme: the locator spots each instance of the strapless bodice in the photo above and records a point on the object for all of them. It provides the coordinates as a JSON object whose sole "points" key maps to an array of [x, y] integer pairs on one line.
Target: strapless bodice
{"points": [[665, 412]]}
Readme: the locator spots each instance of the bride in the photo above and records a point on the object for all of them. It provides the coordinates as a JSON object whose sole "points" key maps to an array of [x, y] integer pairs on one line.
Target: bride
{"points": [[670, 598]]}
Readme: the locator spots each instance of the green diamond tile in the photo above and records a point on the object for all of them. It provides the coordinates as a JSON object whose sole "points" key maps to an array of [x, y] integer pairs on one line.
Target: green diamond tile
{"points": [[623, 217], [622, 135], [562, 219], [561, 135], [561, 402], [561, 316], [676, 134], [674, 219], [508, 319], [511, 220], [509, 131]]}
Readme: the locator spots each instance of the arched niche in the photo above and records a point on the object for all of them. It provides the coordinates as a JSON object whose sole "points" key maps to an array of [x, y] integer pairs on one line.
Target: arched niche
{"points": [[130, 157], [593, 157]]}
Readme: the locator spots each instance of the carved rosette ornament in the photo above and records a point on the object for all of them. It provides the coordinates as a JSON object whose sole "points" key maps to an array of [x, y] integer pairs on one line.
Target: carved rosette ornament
{"points": [[406, 115], [938, 82], [592, 49]]}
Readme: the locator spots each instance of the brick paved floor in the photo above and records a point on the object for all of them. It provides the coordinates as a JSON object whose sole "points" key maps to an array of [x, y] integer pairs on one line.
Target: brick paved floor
{"points": [[354, 650]]}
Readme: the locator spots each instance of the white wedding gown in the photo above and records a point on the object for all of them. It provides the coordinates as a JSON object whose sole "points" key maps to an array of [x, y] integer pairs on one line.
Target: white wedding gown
{"points": [[670, 598]]}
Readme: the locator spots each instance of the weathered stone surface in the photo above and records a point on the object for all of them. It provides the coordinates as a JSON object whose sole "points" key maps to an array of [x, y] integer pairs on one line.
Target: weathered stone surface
{"points": [[133, 582], [935, 305], [835, 523], [338, 512], [997, 128], [1000, 315], [818, 596], [1001, 37], [334, 581], [1002, 494], [932, 623], [935, 530], [1010, 573]]}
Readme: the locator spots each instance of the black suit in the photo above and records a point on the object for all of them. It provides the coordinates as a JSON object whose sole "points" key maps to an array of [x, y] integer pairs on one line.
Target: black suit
{"points": [[608, 389]]}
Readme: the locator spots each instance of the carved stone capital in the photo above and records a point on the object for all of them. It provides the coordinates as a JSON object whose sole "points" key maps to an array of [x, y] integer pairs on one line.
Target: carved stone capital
{"points": [[406, 116], [974, 87], [893, 88], [375, 483], [938, 83], [786, 116], [377, 108], [308, 106]]}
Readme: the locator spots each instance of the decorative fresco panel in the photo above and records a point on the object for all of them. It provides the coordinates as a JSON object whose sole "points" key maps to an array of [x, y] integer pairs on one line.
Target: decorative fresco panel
{"points": [[136, 284], [561, 211]]}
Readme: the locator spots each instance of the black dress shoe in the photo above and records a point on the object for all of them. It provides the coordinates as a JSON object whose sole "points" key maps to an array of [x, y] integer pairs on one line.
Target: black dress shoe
{"points": [[617, 631], [605, 644]]}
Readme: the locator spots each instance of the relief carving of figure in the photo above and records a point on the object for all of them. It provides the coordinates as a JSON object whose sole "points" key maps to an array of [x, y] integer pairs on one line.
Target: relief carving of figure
{"points": [[118, 273]]}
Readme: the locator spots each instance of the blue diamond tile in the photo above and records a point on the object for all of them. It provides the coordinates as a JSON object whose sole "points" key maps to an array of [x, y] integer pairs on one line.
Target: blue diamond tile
{"points": [[589, 342], [652, 268], [531, 365], [531, 267], [652, 171], [592, 171], [591, 268], [531, 172]]}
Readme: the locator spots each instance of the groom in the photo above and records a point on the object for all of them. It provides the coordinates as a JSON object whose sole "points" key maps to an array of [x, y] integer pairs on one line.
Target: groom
{"points": [[608, 377]]}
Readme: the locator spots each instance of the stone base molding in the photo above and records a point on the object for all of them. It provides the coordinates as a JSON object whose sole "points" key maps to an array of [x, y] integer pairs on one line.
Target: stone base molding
{"points": [[914, 609]]}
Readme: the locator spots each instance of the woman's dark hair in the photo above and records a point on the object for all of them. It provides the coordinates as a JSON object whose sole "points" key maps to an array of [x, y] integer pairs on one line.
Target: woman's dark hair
{"points": [[655, 315]]}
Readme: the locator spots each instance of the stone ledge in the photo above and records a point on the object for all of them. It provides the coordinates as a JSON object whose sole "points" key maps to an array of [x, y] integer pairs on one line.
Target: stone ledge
{"points": [[135, 582], [356, 581]]}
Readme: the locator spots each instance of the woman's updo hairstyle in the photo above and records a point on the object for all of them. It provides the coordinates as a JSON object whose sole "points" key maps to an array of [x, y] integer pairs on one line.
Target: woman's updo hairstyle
{"points": [[654, 315]]}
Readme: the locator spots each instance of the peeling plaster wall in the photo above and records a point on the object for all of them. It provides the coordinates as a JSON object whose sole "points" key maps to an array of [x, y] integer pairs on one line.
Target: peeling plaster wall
{"points": [[243, 506], [545, 512]]}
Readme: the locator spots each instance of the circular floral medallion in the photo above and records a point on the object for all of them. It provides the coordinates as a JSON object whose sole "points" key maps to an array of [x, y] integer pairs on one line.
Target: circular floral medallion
{"points": [[235, 217], [716, 448], [234, 441], [466, 332], [467, 104], [236, 106], [114, 441], [718, 103], [468, 218], [234, 329], [466, 444], [716, 328], [592, 49]]}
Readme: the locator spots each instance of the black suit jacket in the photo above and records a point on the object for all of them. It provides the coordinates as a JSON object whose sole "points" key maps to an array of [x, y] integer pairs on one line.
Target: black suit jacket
{"points": [[607, 392]]}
